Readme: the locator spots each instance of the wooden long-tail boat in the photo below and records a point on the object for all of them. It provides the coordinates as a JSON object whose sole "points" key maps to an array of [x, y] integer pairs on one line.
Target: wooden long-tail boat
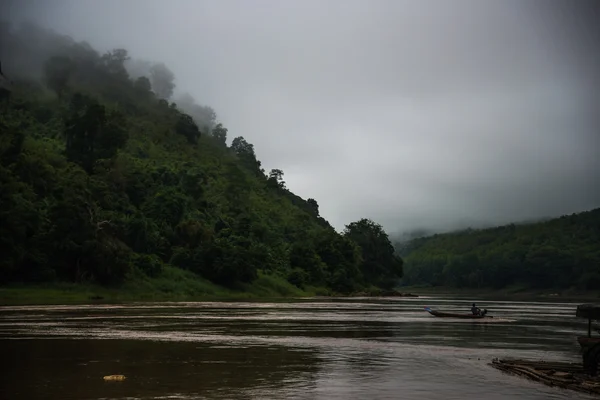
{"points": [[455, 315]]}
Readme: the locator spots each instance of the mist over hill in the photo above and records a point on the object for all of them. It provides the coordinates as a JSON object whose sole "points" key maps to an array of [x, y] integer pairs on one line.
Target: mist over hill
{"points": [[106, 180]]}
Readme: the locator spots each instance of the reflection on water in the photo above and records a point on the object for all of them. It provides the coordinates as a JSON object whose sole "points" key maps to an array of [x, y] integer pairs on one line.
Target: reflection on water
{"points": [[307, 349]]}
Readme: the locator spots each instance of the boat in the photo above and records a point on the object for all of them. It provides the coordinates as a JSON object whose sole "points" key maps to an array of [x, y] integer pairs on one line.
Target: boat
{"points": [[457, 315], [590, 345], [580, 377]]}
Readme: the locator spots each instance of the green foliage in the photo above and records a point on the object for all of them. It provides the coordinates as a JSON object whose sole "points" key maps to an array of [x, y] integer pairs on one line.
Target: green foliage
{"points": [[149, 264], [187, 127], [143, 85], [342, 257], [114, 63], [275, 179], [559, 253], [57, 71], [314, 206], [298, 277], [380, 266], [231, 258], [92, 132], [303, 257], [220, 134], [110, 184], [246, 155]]}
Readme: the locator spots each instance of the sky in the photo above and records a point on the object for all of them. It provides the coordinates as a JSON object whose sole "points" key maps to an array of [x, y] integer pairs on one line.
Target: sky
{"points": [[417, 114]]}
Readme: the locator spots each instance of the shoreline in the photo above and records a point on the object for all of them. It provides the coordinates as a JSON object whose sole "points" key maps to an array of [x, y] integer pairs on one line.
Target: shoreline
{"points": [[509, 294], [32, 296], [71, 294]]}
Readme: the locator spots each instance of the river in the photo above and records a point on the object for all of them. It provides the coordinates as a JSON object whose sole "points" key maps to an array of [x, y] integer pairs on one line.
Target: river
{"points": [[351, 348]]}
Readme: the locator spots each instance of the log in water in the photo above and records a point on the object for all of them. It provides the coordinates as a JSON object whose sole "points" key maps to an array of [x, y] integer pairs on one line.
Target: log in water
{"points": [[562, 374]]}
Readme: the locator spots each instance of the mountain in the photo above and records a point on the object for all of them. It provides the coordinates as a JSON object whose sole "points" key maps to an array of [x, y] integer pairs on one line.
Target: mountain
{"points": [[557, 253], [105, 180]]}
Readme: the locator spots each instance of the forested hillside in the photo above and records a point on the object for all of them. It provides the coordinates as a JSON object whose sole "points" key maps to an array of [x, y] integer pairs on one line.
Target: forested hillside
{"points": [[104, 178], [560, 253]]}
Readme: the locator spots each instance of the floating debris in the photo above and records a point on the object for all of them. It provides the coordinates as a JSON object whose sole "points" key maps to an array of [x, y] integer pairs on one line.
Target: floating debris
{"points": [[560, 374], [114, 378]]}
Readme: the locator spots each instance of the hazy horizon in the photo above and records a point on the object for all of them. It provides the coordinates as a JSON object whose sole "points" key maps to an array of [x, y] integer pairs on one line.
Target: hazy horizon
{"points": [[470, 113]]}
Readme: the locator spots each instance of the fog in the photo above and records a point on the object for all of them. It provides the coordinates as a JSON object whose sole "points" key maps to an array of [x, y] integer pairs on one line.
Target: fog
{"points": [[419, 115]]}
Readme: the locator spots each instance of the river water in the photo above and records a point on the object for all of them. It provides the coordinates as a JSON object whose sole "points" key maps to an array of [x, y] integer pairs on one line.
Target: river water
{"points": [[358, 348]]}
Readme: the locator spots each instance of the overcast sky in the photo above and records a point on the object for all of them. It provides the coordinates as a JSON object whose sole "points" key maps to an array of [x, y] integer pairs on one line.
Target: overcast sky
{"points": [[417, 114]]}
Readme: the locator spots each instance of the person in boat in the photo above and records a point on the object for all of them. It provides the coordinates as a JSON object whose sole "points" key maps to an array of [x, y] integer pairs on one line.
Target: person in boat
{"points": [[475, 310]]}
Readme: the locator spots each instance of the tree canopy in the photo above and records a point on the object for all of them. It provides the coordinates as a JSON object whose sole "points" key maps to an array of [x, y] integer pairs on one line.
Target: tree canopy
{"points": [[560, 253], [380, 266]]}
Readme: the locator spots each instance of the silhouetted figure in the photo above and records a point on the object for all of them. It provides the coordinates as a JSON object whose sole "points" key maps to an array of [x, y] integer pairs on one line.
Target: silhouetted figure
{"points": [[475, 310]]}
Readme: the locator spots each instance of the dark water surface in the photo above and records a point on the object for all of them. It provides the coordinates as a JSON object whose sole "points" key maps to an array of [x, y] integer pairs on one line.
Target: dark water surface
{"points": [[360, 348]]}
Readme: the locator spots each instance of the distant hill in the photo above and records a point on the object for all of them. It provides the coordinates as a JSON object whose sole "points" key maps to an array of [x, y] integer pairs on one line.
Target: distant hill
{"points": [[558, 253]]}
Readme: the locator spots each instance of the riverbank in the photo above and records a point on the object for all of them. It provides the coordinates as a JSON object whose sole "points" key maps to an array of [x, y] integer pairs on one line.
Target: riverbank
{"points": [[174, 284], [508, 293]]}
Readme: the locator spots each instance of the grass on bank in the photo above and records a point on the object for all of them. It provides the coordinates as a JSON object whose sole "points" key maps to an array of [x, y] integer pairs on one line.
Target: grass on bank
{"points": [[173, 284]]}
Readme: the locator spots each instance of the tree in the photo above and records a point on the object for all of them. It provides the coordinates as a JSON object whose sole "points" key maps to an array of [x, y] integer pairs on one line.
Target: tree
{"points": [[168, 205], [219, 132], [342, 257], [236, 188], [20, 219], [231, 258], [187, 127], [303, 256], [162, 81], [380, 266], [276, 178], [241, 147], [245, 152], [114, 62], [314, 206], [93, 132], [142, 85], [57, 71], [551, 254]]}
